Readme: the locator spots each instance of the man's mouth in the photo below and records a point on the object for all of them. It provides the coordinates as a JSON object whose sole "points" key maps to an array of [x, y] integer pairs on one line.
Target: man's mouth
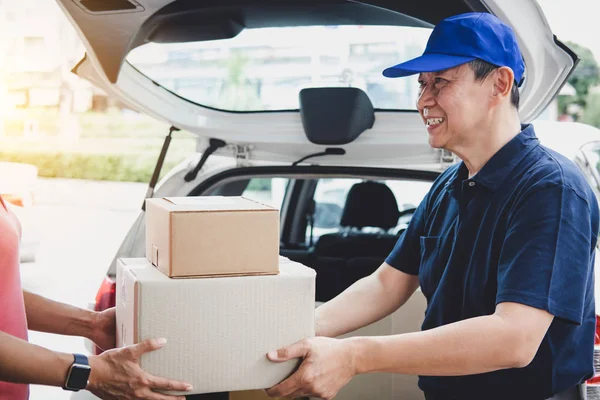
{"points": [[434, 121]]}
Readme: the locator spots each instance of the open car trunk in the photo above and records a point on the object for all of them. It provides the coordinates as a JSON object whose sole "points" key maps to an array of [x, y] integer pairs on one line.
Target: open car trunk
{"points": [[111, 31]]}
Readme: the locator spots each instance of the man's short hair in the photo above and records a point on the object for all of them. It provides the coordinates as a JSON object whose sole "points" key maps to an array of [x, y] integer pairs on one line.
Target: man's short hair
{"points": [[483, 69]]}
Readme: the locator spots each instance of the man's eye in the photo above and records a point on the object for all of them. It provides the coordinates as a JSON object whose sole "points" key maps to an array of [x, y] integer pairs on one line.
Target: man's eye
{"points": [[439, 80]]}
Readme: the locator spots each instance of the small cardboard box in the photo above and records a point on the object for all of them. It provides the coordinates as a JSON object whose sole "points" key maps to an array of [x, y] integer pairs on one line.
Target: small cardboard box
{"points": [[218, 330], [211, 235]]}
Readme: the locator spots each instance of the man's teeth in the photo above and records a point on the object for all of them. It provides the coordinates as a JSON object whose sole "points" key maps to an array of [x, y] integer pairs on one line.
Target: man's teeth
{"points": [[434, 121]]}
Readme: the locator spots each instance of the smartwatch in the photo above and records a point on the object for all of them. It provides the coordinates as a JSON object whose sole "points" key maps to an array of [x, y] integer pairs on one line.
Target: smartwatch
{"points": [[79, 372]]}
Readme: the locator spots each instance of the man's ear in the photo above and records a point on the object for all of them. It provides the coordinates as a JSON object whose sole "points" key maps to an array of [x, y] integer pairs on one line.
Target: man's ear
{"points": [[503, 81]]}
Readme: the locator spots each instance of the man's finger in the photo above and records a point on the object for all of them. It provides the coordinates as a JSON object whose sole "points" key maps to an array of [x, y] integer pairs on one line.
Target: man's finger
{"points": [[297, 350], [146, 346], [297, 394], [158, 383], [285, 388]]}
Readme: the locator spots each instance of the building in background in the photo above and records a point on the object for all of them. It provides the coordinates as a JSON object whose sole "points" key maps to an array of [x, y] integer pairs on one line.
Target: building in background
{"points": [[39, 47]]}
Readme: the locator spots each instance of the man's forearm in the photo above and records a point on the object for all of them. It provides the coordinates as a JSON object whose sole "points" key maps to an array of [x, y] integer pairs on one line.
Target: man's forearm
{"points": [[366, 301], [45, 315], [472, 346], [22, 362]]}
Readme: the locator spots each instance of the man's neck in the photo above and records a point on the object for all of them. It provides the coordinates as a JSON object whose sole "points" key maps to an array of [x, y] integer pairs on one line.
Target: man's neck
{"points": [[490, 139]]}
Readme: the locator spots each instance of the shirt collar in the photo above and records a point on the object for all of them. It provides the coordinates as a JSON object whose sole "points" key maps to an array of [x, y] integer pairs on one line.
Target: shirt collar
{"points": [[497, 169]]}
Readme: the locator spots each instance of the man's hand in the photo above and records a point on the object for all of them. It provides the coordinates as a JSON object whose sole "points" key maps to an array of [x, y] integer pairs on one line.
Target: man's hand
{"points": [[104, 332], [327, 366], [116, 374]]}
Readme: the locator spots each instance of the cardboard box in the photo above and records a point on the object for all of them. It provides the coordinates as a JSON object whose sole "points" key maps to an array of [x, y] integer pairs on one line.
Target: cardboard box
{"points": [[212, 235], [388, 386], [218, 330]]}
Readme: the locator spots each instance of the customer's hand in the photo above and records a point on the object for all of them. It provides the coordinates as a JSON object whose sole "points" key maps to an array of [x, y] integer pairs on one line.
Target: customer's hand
{"points": [[103, 332], [116, 374]]}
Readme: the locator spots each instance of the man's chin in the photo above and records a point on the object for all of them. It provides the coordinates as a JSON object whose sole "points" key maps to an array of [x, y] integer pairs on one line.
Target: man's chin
{"points": [[438, 141], [435, 143]]}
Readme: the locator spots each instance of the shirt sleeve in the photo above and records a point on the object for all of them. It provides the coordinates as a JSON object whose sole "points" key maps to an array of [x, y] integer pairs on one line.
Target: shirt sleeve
{"points": [[547, 255], [406, 254]]}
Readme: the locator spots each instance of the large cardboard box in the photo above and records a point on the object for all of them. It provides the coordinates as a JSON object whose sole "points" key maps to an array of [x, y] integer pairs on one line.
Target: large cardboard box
{"points": [[211, 235], [218, 330]]}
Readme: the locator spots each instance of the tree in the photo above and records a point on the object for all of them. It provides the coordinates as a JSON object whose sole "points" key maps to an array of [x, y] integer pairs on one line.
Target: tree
{"points": [[585, 76], [591, 115], [237, 92]]}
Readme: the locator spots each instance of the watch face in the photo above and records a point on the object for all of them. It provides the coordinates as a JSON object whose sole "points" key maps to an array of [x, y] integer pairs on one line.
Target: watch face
{"points": [[79, 376]]}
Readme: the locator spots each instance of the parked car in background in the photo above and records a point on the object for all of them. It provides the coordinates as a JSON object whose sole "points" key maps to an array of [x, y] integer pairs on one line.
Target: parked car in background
{"points": [[17, 186], [18, 182], [346, 186]]}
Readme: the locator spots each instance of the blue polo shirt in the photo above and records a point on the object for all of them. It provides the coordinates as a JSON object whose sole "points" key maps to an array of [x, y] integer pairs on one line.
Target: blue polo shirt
{"points": [[521, 230]]}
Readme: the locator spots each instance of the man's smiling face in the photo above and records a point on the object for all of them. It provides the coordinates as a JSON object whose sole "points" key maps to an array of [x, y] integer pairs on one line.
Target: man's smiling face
{"points": [[453, 105]]}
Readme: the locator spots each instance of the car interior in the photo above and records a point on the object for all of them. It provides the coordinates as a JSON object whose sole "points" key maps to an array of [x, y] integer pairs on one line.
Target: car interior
{"points": [[343, 242]]}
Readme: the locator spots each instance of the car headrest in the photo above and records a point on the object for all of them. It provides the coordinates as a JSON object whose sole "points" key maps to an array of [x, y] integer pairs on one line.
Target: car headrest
{"points": [[335, 115], [370, 204]]}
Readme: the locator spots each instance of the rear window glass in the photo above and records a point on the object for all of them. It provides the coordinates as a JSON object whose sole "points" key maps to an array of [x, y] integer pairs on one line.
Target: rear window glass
{"points": [[264, 69]]}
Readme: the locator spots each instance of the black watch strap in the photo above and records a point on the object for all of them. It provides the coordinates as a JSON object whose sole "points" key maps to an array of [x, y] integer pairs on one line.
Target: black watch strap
{"points": [[81, 359]]}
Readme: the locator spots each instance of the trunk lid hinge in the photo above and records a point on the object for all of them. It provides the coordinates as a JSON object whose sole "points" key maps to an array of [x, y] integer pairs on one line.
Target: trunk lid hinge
{"points": [[242, 154]]}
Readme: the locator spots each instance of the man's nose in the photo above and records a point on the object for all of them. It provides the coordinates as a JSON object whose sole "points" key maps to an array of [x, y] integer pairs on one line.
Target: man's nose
{"points": [[426, 99]]}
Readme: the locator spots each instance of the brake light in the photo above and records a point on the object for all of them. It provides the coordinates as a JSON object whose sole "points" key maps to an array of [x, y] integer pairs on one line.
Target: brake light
{"points": [[596, 379], [105, 298], [597, 338], [13, 199]]}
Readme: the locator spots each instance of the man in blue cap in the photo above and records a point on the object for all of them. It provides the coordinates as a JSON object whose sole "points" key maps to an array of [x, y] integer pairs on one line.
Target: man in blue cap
{"points": [[502, 247]]}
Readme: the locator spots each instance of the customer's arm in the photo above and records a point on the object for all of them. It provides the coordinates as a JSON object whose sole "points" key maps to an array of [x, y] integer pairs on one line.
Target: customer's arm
{"points": [[366, 301], [45, 315], [22, 362], [114, 374]]}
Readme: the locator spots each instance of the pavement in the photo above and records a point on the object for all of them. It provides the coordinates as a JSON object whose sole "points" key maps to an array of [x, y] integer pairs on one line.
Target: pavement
{"points": [[79, 225]]}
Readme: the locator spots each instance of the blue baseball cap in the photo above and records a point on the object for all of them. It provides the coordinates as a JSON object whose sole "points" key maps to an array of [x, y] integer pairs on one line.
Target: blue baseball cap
{"points": [[463, 38]]}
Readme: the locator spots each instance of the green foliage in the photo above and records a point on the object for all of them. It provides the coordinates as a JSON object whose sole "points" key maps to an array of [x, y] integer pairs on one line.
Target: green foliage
{"points": [[260, 184], [585, 76], [118, 146], [130, 168], [591, 115]]}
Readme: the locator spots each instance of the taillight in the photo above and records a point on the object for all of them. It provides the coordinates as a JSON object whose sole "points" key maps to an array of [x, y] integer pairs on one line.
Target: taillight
{"points": [[15, 200], [597, 338], [593, 389], [105, 299]]}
